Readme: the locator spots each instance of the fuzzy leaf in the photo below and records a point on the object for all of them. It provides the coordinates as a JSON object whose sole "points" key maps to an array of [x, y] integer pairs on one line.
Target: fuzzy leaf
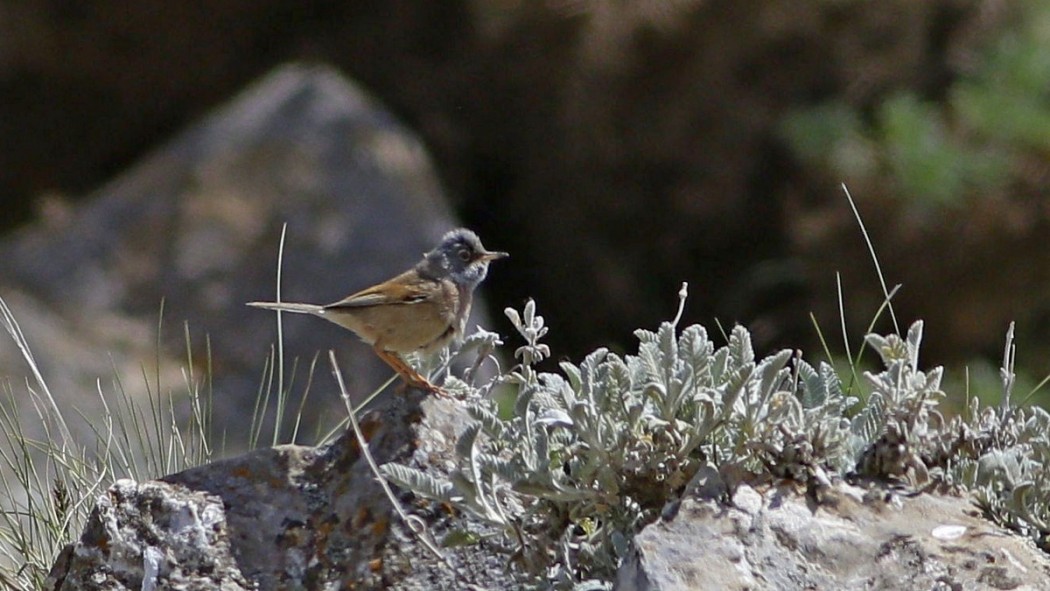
{"points": [[668, 351], [491, 424], [555, 417], [480, 338], [770, 374], [694, 351], [914, 339], [614, 382], [645, 336], [868, 423], [417, 481], [572, 373], [740, 349], [524, 401], [814, 391], [465, 443]]}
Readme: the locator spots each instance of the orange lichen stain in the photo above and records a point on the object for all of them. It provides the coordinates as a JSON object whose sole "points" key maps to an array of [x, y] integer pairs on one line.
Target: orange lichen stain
{"points": [[376, 564], [353, 448], [361, 517], [369, 425], [380, 526]]}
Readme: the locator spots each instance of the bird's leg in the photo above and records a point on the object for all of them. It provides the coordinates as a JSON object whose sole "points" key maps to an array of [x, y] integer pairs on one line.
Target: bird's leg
{"points": [[411, 376]]}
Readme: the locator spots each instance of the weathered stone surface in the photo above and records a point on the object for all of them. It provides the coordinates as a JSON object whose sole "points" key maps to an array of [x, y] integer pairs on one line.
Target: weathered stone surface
{"points": [[315, 518], [290, 518], [777, 539], [153, 536]]}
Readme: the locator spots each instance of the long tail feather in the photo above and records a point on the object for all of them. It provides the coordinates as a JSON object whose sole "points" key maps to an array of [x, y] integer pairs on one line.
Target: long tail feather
{"points": [[287, 307]]}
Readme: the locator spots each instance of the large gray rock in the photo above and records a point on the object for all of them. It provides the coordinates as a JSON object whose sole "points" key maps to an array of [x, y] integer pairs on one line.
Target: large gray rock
{"points": [[153, 536], [775, 539], [287, 518], [196, 226]]}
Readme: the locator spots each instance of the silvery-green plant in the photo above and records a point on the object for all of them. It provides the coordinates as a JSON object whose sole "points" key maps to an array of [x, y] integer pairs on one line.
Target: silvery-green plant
{"points": [[900, 413], [999, 454], [593, 453]]}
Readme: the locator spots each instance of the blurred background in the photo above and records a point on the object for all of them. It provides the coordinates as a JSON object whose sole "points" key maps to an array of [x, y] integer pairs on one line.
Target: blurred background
{"points": [[620, 147]]}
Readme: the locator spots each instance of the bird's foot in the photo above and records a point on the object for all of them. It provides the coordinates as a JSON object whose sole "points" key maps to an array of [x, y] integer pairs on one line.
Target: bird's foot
{"points": [[426, 386]]}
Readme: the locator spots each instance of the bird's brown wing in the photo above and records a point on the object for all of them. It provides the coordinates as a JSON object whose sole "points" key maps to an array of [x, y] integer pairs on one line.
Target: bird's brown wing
{"points": [[407, 288], [404, 314]]}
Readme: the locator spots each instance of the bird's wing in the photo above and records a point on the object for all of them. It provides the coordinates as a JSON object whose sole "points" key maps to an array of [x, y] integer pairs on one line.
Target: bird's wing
{"points": [[407, 288]]}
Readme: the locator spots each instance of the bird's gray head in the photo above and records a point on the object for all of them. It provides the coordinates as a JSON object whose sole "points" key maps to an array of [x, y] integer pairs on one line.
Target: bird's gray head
{"points": [[460, 257]]}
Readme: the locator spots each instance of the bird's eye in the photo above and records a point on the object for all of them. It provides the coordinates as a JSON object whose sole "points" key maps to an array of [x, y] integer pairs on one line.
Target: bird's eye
{"points": [[464, 255]]}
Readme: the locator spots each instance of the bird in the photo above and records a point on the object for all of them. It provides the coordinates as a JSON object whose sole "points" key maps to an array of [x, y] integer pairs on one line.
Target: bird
{"points": [[422, 309]]}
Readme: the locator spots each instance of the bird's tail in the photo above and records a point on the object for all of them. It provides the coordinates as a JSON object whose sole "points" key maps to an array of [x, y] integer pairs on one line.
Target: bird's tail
{"points": [[287, 307]]}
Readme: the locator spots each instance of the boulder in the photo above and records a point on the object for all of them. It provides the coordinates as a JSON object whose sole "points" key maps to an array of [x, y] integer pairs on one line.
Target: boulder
{"points": [[776, 539], [291, 517]]}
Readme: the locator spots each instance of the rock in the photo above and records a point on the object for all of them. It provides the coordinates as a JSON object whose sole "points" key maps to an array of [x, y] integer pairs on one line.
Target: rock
{"points": [[195, 228], [297, 517], [777, 539], [153, 536], [292, 517]]}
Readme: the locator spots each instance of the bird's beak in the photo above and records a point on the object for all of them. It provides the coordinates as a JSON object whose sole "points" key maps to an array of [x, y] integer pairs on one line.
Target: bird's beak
{"points": [[491, 256]]}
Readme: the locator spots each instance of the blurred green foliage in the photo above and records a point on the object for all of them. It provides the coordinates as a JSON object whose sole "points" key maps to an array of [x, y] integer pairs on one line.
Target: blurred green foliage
{"points": [[1007, 99], [941, 152]]}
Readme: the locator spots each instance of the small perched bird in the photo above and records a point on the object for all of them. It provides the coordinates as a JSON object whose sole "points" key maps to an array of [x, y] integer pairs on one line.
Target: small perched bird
{"points": [[421, 309]]}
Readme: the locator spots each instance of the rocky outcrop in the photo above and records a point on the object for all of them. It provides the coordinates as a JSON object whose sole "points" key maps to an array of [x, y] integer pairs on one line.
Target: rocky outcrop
{"points": [[291, 517], [305, 518], [772, 539]]}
